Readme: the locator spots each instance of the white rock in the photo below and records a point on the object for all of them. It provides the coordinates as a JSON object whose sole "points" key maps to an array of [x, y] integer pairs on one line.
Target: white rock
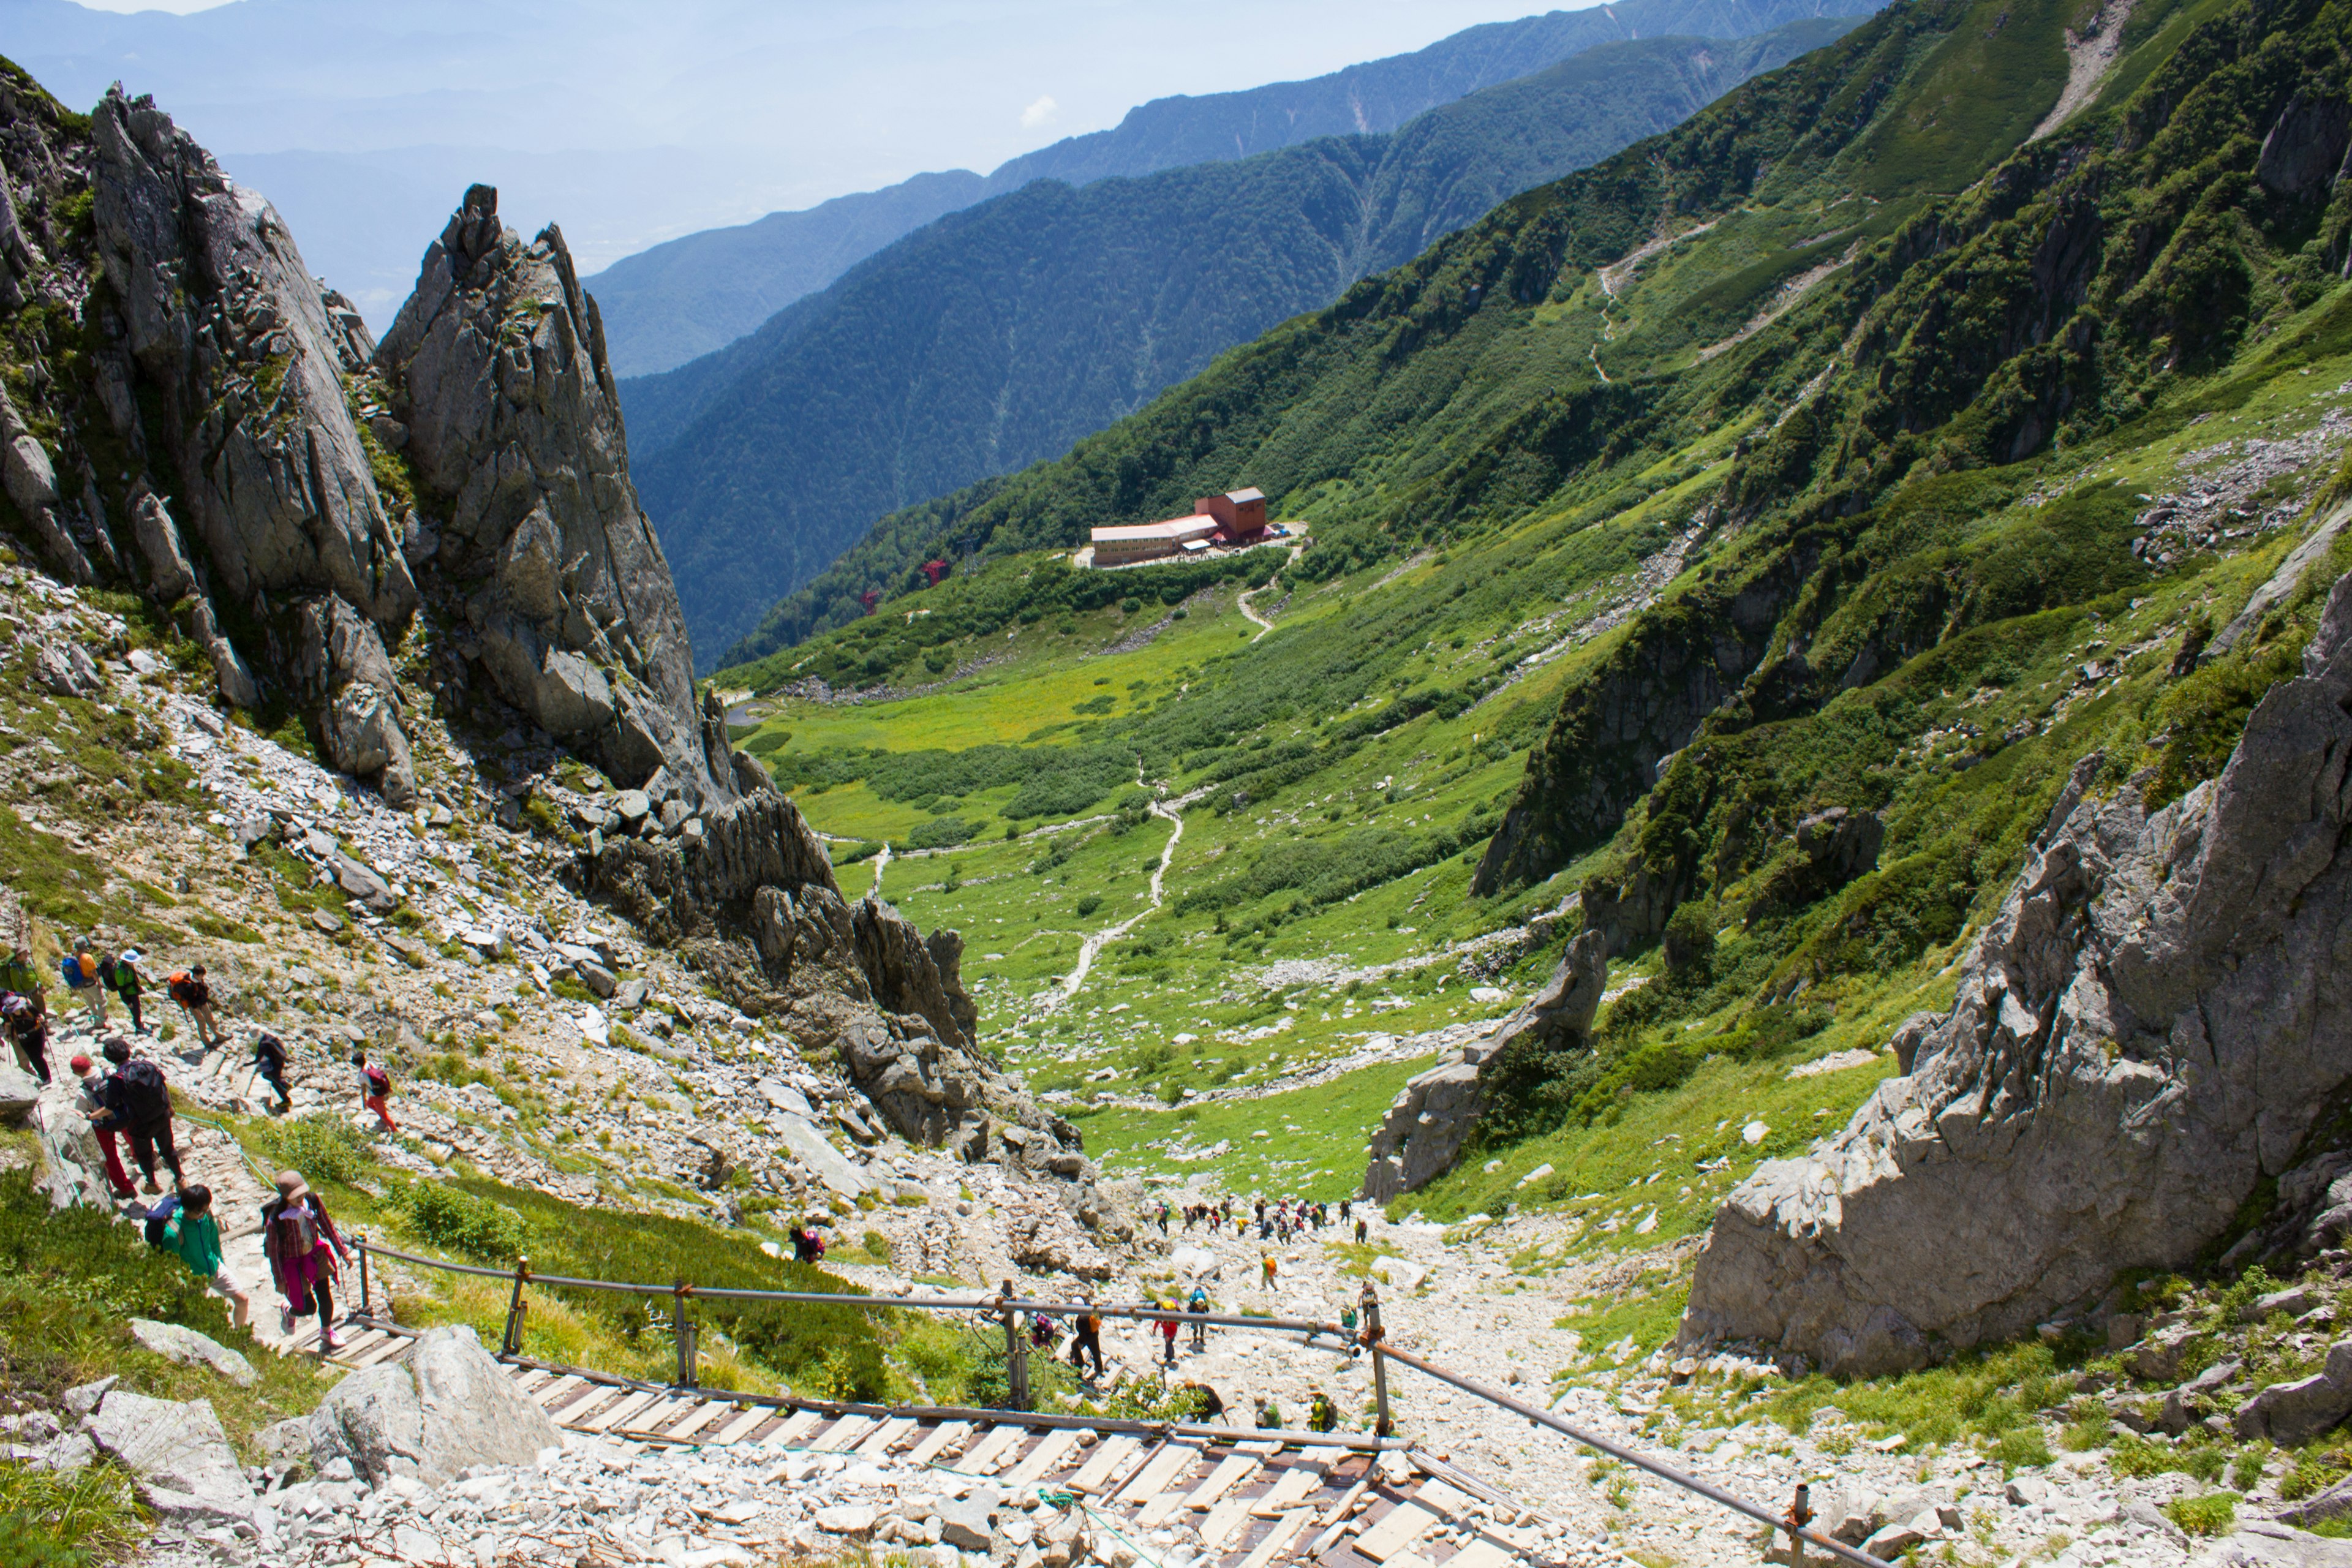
{"points": [[1754, 1133], [189, 1348]]}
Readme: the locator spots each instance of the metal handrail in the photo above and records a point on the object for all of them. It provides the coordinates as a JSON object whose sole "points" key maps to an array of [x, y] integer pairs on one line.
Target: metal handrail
{"points": [[1619, 1451], [1370, 1336]]}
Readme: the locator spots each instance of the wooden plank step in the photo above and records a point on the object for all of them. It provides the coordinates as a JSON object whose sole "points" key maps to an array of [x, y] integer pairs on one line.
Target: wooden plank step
{"points": [[981, 1459], [1442, 1499], [363, 1341], [1396, 1531], [392, 1348], [1173, 1459], [555, 1393], [1483, 1553], [845, 1434], [1411, 1560], [942, 1437], [1229, 1474], [742, 1426], [1277, 1541], [1108, 1467], [886, 1437], [1225, 1519], [702, 1417], [1291, 1489], [794, 1430], [651, 1420], [624, 1409], [1047, 1457]]}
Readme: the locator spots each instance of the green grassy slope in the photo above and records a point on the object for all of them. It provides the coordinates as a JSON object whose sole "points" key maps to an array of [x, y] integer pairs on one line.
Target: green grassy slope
{"points": [[999, 335], [1917, 579]]}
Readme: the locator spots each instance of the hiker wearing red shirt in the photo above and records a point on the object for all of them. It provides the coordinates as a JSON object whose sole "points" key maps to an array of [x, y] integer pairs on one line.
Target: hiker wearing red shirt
{"points": [[375, 1085]]}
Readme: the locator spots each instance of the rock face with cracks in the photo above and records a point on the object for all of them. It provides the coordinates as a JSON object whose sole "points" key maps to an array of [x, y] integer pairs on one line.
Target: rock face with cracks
{"points": [[443, 1405], [1437, 1111], [2148, 1029], [505, 406]]}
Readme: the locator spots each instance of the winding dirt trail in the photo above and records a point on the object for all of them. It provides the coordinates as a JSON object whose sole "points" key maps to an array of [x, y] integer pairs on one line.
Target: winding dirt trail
{"points": [[1087, 949]]}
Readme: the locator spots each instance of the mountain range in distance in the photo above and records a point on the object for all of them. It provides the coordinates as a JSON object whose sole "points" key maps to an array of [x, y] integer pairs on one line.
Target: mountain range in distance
{"points": [[686, 297], [999, 335]]}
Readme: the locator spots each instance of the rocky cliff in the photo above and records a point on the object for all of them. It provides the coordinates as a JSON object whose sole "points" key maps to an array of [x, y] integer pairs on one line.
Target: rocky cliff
{"points": [[429, 554], [2148, 1029], [1436, 1113], [499, 394]]}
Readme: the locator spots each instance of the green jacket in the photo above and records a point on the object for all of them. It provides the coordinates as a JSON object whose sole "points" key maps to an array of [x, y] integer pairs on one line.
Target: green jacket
{"points": [[197, 1241], [20, 976]]}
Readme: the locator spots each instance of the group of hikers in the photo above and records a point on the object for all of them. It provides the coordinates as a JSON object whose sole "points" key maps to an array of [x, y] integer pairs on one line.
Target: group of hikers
{"points": [[1277, 1221], [92, 974], [130, 1101]]}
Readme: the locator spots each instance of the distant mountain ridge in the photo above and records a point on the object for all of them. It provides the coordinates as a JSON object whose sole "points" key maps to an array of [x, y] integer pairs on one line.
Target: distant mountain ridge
{"points": [[690, 296], [1002, 334]]}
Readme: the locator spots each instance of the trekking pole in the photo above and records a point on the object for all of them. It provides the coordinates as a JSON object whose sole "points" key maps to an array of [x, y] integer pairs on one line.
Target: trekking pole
{"points": [[366, 1310], [516, 1307], [680, 1294]]}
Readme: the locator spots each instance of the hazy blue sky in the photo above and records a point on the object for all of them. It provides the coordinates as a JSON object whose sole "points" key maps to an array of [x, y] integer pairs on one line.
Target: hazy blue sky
{"points": [[631, 121]]}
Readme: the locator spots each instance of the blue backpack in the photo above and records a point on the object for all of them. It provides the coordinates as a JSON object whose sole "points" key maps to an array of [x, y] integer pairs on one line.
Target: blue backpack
{"points": [[158, 1217]]}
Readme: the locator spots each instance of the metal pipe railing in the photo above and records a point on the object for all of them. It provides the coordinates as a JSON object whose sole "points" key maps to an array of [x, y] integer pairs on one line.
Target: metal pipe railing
{"points": [[1658, 1467], [1370, 1336]]}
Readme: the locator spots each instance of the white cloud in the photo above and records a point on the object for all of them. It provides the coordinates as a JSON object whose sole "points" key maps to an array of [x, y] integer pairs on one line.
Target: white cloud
{"points": [[1038, 113]]}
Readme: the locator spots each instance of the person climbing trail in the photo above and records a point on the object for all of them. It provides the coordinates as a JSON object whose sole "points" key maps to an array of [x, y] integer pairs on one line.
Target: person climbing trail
{"points": [[1087, 1341], [80, 969], [120, 975], [194, 992], [194, 1234], [139, 1102], [269, 1066], [28, 1033], [300, 1238], [375, 1088], [1199, 1307], [90, 1099], [18, 976]]}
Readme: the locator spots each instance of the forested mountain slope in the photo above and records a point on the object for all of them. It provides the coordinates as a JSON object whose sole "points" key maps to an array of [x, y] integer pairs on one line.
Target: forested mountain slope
{"points": [[694, 294], [1000, 335]]}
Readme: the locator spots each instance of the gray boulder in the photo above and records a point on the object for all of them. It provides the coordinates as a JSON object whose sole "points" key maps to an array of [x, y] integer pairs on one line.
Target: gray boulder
{"points": [[67, 669], [185, 1345], [19, 1092], [2260, 1543], [2292, 1414], [177, 1455], [2146, 1030], [1424, 1130], [443, 1405]]}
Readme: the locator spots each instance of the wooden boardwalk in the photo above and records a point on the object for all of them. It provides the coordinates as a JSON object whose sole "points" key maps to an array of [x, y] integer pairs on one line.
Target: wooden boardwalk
{"points": [[1254, 1502]]}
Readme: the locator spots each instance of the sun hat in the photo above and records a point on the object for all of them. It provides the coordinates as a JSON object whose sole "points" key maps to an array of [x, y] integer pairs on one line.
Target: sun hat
{"points": [[290, 1186]]}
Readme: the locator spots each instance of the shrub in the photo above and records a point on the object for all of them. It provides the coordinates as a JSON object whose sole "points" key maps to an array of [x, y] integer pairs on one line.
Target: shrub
{"points": [[322, 1146], [939, 832], [452, 1217], [2215, 1513], [1088, 905]]}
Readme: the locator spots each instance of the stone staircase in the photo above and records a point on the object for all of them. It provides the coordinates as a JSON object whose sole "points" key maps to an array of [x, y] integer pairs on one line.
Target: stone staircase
{"points": [[1250, 1502]]}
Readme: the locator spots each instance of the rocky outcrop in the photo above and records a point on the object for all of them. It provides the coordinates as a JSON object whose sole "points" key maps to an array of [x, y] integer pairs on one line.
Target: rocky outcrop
{"points": [[757, 881], [178, 1457], [502, 402], [1429, 1122], [276, 520], [2148, 1028], [443, 1405]]}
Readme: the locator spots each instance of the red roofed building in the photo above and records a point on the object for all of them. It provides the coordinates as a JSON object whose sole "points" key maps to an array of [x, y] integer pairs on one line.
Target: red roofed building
{"points": [[1240, 514]]}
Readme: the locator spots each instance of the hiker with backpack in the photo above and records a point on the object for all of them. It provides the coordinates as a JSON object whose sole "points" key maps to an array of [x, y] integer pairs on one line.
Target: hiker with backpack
{"points": [[195, 994], [18, 975], [90, 1101], [269, 1066], [1199, 1307], [139, 1105], [28, 1032], [1089, 1338], [120, 975], [193, 1234], [80, 971], [300, 1241], [375, 1085]]}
